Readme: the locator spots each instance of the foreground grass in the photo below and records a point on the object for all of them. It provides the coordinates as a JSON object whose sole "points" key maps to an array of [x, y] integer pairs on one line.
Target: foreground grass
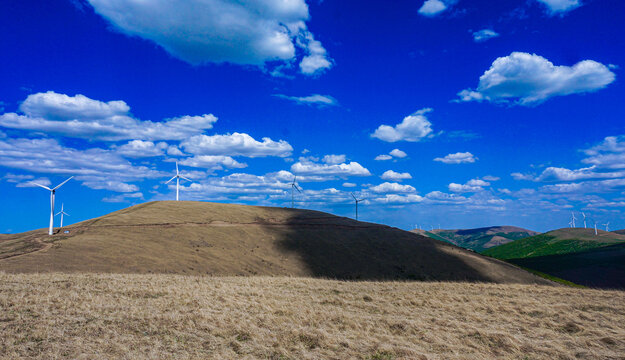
{"points": [[172, 316]]}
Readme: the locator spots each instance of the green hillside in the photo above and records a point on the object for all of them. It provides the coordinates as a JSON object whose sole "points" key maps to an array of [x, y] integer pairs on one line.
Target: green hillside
{"points": [[480, 239], [562, 241]]}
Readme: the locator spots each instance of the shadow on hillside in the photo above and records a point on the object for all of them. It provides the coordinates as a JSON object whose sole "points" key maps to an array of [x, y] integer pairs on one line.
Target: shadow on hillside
{"points": [[341, 248]]}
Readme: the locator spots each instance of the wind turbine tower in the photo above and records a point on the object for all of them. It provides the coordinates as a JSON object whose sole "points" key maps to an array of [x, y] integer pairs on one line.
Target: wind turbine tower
{"points": [[52, 193], [357, 201], [573, 218], [595, 228], [584, 215], [607, 226], [61, 213], [177, 177], [293, 188]]}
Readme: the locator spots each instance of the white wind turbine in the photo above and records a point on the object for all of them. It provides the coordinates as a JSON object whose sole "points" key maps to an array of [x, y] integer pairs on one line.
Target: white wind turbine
{"points": [[595, 228], [357, 201], [293, 188], [573, 218], [607, 226], [584, 215], [61, 213], [52, 192], [177, 177]]}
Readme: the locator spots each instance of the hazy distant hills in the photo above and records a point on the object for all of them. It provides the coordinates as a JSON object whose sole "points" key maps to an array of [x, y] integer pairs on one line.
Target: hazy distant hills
{"points": [[577, 255], [222, 239], [479, 239]]}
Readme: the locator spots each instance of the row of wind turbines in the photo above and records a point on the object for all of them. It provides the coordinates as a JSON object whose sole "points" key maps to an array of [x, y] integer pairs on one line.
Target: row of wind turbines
{"points": [[573, 218], [176, 177]]}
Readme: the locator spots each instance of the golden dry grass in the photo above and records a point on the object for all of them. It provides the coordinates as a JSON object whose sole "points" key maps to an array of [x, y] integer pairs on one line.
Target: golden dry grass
{"points": [[96, 316]]}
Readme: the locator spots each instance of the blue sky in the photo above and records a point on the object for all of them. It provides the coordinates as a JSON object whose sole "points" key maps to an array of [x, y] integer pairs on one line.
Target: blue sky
{"points": [[452, 113]]}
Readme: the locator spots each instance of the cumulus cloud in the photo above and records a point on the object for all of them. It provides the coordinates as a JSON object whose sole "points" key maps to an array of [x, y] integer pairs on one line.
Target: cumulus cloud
{"points": [[341, 170], [527, 79], [212, 162], [432, 8], [395, 176], [388, 187], [413, 128], [555, 7], [398, 153], [610, 153], [383, 157], [473, 185], [399, 199], [241, 32], [314, 99], [457, 158], [81, 117], [349, 185], [96, 168], [140, 149], [333, 159], [484, 34], [235, 144]]}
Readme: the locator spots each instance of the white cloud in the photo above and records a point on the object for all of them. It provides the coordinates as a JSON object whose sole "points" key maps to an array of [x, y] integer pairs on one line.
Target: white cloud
{"points": [[236, 144], [398, 153], [31, 183], [395, 176], [529, 79], [349, 185], [383, 157], [342, 170], [244, 32], [520, 176], [610, 153], [388, 187], [434, 7], [314, 99], [398, 199], [490, 178], [473, 185], [560, 6], [333, 159], [457, 158], [123, 197], [140, 149], [413, 128], [484, 34], [212, 162], [81, 117], [96, 168]]}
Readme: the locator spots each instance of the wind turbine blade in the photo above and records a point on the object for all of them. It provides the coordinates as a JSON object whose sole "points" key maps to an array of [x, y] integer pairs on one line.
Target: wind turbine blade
{"points": [[61, 184], [296, 188], [176, 168], [352, 194], [182, 177], [45, 187], [168, 181], [60, 212], [66, 214]]}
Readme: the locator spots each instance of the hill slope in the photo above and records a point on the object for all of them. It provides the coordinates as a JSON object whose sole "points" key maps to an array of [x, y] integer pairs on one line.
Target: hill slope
{"points": [[562, 241], [480, 239], [224, 239]]}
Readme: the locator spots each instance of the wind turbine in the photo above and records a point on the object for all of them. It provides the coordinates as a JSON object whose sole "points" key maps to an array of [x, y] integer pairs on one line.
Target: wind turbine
{"points": [[177, 177], [52, 192], [573, 218], [294, 187], [357, 201], [584, 215], [595, 228], [61, 213], [607, 226]]}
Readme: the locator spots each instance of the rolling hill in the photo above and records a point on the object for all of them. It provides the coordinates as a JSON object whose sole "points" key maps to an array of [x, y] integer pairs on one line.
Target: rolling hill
{"points": [[223, 239], [479, 239], [576, 255]]}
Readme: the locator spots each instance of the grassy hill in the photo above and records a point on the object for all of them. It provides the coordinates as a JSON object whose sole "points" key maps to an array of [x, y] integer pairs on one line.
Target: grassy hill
{"points": [[562, 241], [161, 316], [576, 255], [479, 239], [223, 239]]}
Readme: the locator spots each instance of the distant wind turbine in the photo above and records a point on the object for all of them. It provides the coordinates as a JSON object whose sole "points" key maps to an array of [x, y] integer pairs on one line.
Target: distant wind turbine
{"points": [[293, 188], [595, 228], [584, 215], [357, 201], [177, 177], [573, 218], [61, 213], [52, 192], [607, 226]]}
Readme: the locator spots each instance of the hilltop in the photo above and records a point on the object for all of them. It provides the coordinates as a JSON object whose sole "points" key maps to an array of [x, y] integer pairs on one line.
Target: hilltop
{"points": [[576, 255], [479, 239], [224, 239]]}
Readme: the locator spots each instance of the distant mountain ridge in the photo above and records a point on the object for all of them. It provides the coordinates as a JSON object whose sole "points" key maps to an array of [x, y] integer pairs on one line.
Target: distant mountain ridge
{"points": [[479, 239]]}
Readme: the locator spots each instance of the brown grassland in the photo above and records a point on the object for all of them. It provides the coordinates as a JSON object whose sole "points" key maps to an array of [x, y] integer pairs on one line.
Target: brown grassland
{"points": [[133, 316]]}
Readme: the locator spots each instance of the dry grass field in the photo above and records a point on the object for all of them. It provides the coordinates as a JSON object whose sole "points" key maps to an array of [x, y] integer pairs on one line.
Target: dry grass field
{"points": [[126, 316]]}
